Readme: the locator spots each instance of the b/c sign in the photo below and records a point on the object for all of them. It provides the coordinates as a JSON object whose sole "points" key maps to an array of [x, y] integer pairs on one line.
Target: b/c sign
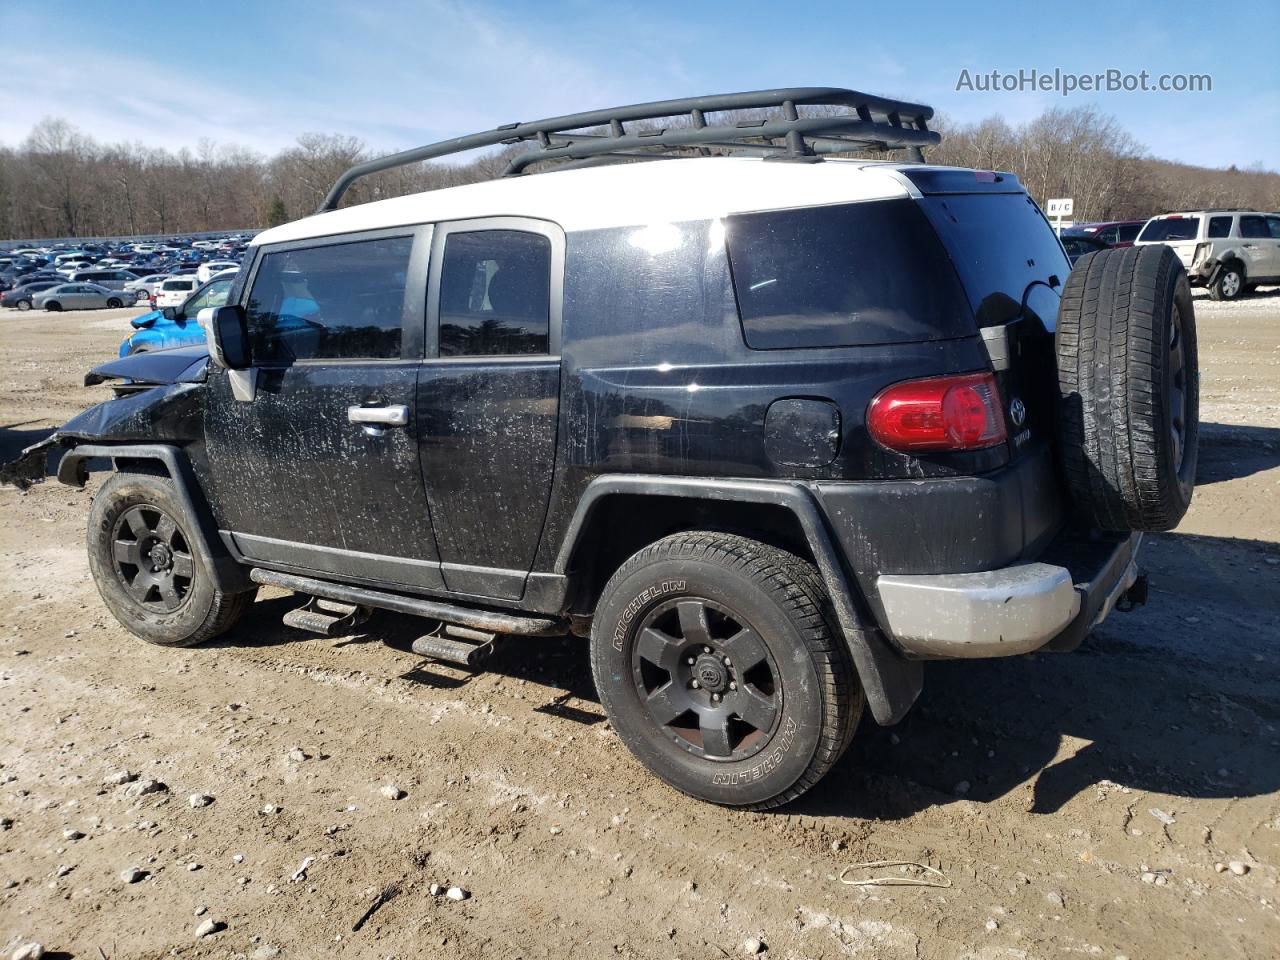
{"points": [[1061, 207]]}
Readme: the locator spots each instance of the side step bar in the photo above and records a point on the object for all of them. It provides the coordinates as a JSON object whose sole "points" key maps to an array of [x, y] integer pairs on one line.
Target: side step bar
{"points": [[463, 646], [484, 620], [329, 618]]}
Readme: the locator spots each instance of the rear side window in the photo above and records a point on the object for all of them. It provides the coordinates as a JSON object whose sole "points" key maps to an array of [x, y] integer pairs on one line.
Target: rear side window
{"points": [[1254, 227], [1129, 232], [495, 294], [1170, 230], [846, 275], [1219, 227], [1273, 224], [339, 301]]}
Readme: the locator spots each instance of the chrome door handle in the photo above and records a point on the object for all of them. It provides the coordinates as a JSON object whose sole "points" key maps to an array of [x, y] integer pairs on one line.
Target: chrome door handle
{"points": [[393, 416]]}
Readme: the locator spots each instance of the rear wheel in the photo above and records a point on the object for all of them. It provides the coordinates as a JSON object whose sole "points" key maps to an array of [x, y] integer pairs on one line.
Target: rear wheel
{"points": [[1229, 284], [721, 669], [146, 569]]}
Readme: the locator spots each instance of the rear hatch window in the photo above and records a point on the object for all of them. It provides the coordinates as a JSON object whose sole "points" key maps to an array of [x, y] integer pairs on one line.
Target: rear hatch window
{"points": [[843, 275], [1170, 230], [1001, 245]]}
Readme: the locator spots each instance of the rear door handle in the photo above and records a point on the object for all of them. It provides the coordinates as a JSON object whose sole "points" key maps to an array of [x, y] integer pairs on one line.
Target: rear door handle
{"points": [[393, 416]]}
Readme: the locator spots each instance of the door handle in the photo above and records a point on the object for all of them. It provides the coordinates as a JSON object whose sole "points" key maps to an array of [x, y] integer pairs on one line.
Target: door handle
{"points": [[393, 416]]}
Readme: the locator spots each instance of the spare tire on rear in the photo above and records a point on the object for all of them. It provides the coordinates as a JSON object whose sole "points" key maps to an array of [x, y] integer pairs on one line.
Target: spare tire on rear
{"points": [[1130, 388]]}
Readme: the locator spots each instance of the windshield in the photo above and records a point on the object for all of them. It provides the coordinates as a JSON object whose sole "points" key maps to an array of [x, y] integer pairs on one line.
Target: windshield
{"points": [[1170, 230]]}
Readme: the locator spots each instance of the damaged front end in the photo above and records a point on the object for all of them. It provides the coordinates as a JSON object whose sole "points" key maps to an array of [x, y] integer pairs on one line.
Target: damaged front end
{"points": [[157, 398]]}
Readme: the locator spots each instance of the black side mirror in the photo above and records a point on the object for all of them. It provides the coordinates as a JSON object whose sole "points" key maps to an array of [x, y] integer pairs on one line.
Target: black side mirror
{"points": [[227, 335], [169, 313]]}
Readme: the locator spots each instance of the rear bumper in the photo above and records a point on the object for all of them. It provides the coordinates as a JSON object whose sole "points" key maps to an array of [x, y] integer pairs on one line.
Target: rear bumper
{"points": [[1052, 603]]}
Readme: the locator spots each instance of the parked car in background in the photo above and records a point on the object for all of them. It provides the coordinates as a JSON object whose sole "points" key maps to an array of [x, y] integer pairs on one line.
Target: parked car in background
{"points": [[173, 290], [115, 279], [1228, 251], [21, 297], [205, 272], [1113, 233], [175, 326], [145, 287], [1077, 246], [78, 296]]}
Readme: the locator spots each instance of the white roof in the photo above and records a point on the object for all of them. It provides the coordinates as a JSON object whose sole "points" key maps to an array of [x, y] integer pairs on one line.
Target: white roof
{"points": [[628, 194]]}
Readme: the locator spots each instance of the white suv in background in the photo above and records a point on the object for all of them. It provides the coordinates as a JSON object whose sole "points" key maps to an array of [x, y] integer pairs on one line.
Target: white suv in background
{"points": [[173, 291], [1228, 251]]}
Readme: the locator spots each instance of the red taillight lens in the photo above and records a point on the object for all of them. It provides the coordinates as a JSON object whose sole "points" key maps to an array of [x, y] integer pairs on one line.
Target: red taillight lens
{"points": [[940, 413]]}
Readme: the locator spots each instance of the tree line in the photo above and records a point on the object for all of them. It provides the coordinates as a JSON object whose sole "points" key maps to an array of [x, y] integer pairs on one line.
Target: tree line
{"points": [[60, 182]]}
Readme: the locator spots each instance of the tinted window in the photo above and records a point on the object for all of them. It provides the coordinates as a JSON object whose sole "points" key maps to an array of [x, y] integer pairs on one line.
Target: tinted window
{"points": [[495, 294], [1129, 232], [1170, 230], [1219, 227], [337, 301], [1110, 235], [835, 276], [1000, 244], [1273, 224], [1254, 227]]}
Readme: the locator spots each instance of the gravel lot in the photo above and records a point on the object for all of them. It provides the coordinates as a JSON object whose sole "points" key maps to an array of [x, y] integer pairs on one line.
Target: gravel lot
{"points": [[1078, 805]]}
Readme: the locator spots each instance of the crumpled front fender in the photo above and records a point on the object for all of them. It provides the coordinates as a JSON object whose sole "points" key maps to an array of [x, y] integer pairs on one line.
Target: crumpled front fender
{"points": [[171, 414]]}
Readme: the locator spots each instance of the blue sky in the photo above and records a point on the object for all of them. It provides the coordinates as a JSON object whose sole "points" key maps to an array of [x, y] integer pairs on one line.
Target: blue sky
{"points": [[397, 74]]}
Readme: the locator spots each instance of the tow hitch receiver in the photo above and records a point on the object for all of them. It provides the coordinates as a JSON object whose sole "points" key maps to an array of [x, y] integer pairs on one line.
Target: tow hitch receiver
{"points": [[329, 618]]}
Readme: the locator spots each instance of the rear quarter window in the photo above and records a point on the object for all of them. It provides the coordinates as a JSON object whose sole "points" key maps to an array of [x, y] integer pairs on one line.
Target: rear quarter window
{"points": [[843, 275], [1170, 230], [1219, 227]]}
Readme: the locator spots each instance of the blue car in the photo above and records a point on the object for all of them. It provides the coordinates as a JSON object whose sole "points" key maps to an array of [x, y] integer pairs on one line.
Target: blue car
{"points": [[175, 326]]}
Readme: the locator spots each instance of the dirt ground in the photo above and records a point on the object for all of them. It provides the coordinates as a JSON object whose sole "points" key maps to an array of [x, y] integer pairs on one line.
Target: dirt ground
{"points": [[1102, 786]]}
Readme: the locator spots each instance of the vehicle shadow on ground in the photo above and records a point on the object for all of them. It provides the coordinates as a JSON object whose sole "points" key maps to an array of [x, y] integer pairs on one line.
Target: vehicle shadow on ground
{"points": [[1199, 296], [1229, 451], [1179, 697]]}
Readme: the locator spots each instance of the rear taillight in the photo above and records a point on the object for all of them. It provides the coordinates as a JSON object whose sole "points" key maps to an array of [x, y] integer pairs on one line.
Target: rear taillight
{"points": [[940, 413]]}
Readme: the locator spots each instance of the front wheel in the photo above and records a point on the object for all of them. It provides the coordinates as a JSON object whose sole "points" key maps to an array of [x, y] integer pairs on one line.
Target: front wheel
{"points": [[114, 303], [721, 668], [24, 304], [151, 578], [53, 306]]}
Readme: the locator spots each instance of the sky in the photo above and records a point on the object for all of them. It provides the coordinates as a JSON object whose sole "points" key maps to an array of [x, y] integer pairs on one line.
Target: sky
{"points": [[402, 73]]}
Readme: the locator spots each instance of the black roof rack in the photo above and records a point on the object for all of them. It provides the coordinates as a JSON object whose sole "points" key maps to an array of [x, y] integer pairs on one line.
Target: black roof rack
{"points": [[870, 123]]}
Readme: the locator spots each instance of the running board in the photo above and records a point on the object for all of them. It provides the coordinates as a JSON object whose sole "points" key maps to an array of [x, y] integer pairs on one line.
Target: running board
{"points": [[485, 620]]}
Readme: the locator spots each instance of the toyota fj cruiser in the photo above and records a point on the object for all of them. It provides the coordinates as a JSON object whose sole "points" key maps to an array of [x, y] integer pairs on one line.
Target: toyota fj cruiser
{"points": [[770, 428]]}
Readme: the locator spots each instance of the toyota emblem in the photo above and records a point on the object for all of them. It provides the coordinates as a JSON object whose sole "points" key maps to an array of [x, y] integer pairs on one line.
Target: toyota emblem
{"points": [[1017, 412]]}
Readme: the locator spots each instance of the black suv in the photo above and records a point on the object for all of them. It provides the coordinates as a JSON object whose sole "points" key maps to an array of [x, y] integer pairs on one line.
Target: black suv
{"points": [[771, 428]]}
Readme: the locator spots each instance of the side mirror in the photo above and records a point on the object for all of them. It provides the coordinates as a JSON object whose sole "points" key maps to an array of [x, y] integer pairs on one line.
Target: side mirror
{"points": [[170, 313], [224, 328]]}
